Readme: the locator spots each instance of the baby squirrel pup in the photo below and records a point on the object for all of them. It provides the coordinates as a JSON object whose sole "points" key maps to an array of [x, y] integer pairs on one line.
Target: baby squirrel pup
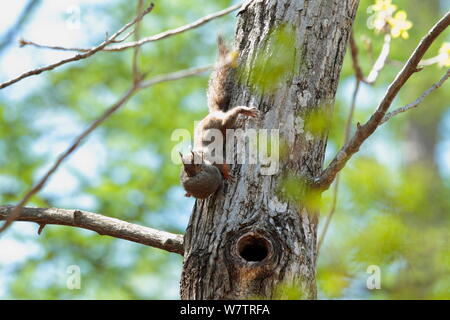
{"points": [[204, 176]]}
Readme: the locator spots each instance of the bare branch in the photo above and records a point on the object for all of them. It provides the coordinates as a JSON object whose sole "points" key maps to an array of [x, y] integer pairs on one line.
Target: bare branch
{"points": [[135, 88], [103, 225], [364, 131], [380, 62], [16, 212], [359, 79], [174, 76], [77, 57], [182, 74], [355, 58], [24, 43], [336, 182], [348, 124], [153, 38], [330, 214], [377, 66], [175, 31], [419, 100], [436, 59]]}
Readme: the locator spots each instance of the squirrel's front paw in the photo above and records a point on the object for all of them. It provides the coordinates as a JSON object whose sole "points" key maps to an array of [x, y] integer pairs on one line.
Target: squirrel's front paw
{"points": [[230, 178], [250, 112]]}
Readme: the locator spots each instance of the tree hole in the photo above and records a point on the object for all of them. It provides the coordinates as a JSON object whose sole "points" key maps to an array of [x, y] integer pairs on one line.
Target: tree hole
{"points": [[253, 248]]}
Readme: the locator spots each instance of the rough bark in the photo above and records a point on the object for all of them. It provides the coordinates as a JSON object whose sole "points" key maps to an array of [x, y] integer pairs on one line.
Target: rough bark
{"points": [[101, 224], [249, 240]]}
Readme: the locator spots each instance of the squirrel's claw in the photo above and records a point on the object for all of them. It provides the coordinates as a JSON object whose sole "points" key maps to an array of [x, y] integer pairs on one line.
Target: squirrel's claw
{"points": [[230, 178]]}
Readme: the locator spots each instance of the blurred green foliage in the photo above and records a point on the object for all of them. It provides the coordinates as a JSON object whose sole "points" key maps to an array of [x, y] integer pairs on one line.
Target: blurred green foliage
{"points": [[393, 208]]}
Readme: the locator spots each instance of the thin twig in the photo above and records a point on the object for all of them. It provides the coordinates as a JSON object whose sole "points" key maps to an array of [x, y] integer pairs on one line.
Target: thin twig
{"points": [[380, 62], [359, 77], [436, 59], [16, 212], [364, 131], [329, 215], [377, 66], [24, 43], [101, 224], [153, 38], [175, 76], [370, 80], [77, 57], [419, 100], [348, 124], [183, 73]]}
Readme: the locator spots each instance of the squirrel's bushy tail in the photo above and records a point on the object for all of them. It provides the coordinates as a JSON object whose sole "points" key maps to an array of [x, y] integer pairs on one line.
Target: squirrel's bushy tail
{"points": [[219, 84]]}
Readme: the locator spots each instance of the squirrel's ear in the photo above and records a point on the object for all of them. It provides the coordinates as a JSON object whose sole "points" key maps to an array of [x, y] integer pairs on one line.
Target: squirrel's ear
{"points": [[181, 156]]}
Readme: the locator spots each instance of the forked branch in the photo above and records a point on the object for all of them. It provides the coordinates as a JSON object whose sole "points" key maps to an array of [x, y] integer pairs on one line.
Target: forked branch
{"points": [[367, 129], [137, 43], [101, 224], [416, 102]]}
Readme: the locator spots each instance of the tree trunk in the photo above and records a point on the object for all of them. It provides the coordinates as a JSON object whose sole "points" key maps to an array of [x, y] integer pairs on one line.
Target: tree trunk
{"points": [[250, 240]]}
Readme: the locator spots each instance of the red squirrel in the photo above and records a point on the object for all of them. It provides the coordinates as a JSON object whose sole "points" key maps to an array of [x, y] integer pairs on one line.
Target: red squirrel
{"points": [[202, 179]]}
